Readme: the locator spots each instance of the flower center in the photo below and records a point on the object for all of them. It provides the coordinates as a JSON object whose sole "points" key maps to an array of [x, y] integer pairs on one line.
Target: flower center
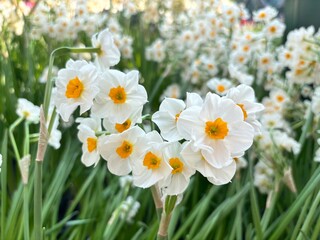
{"points": [[118, 95], [262, 15], [245, 115], [26, 114], [120, 127], [280, 98], [217, 129], [220, 88], [177, 116], [92, 144], [272, 29], [151, 161], [176, 164], [125, 149], [74, 88]]}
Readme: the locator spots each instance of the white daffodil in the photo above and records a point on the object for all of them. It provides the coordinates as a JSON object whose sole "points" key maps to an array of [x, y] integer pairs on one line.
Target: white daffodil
{"points": [[149, 166], [244, 97], [219, 127], [87, 135], [120, 96], [76, 86], [167, 116], [28, 110], [265, 14], [219, 86], [274, 29], [178, 181], [109, 54], [193, 156], [119, 150], [120, 127]]}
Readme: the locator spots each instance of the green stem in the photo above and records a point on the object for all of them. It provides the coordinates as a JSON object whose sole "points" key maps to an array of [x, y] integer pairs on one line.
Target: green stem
{"points": [[12, 139], [157, 200], [26, 144], [26, 150], [4, 185], [38, 201], [164, 225], [52, 119], [26, 211]]}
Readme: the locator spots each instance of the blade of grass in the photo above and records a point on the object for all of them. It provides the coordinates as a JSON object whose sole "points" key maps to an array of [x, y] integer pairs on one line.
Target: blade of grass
{"points": [[308, 221], [295, 207], [4, 184]]}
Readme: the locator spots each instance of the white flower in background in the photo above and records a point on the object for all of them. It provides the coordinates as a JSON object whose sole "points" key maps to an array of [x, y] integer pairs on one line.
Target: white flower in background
{"points": [[279, 97], [193, 156], [149, 166], [282, 140], [218, 126], [129, 209], [219, 86], [172, 91], [167, 116], [44, 75], [244, 97], [265, 61], [120, 96], [239, 58], [28, 110], [265, 14], [76, 86], [241, 162], [0, 162], [273, 120], [263, 177], [239, 75], [317, 155], [315, 102], [125, 180], [120, 127], [87, 135], [156, 52], [109, 54], [119, 150], [179, 179], [274, 29], [55, 135]]}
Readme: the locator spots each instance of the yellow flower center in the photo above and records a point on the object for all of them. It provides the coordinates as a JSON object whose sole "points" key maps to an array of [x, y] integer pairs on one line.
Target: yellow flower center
{"points": [[280, 98], [176, 164], [125, 149], [26, 114], [262, 15], [151, 161], [120, 127], [245, 115], [217, 129], [272, 29], [177, 116], [92, 144], [118, 95], [74, 88], [220, 88]]}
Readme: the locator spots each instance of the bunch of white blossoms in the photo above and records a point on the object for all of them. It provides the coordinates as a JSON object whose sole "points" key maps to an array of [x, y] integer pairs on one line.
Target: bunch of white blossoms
{"points": [[203, 135]]}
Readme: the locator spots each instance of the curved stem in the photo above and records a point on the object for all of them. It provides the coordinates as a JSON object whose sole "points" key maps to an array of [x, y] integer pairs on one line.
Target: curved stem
{"points": [[12, 139]]}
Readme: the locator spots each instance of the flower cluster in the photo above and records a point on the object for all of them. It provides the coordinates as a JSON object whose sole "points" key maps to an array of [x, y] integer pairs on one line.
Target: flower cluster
{"points": [[65, 20], [213, 130]]}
